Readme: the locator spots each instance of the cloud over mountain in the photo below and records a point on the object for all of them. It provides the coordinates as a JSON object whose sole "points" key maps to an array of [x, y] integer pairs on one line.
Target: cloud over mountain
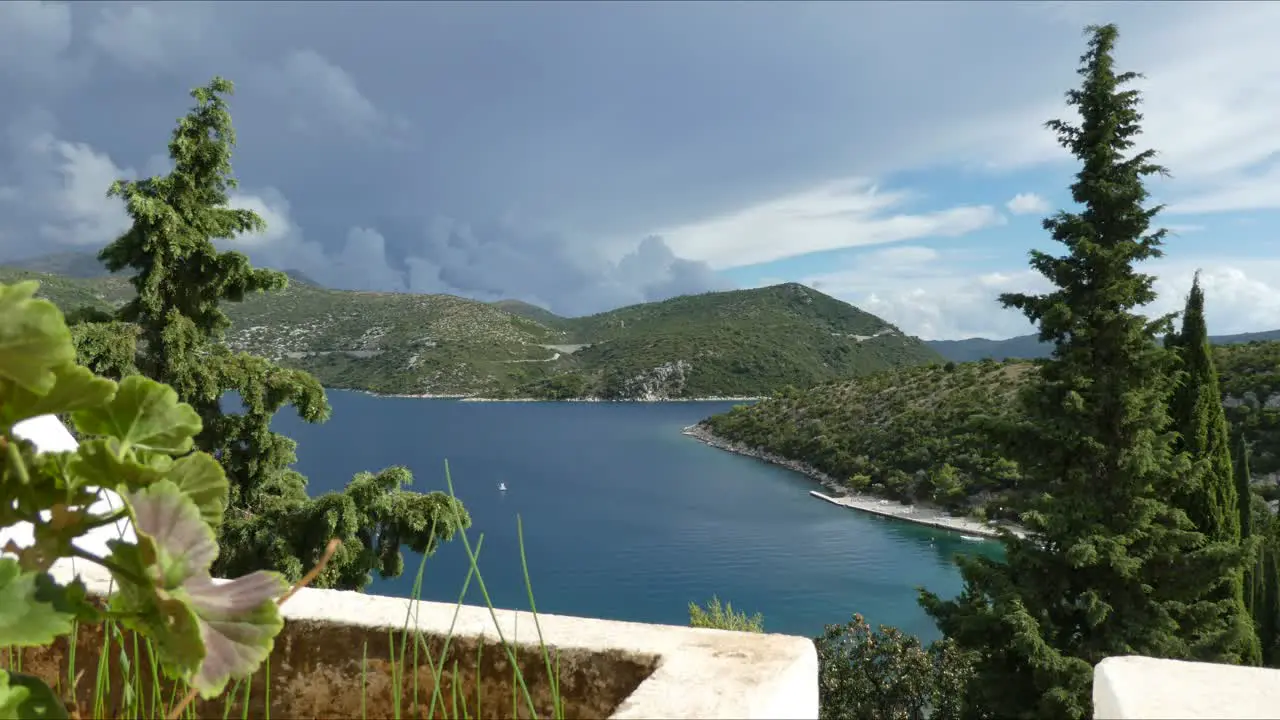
{"points": [[584, 155]]}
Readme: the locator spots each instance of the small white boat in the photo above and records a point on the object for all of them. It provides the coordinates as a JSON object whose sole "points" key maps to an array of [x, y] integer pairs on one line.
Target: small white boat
{"points": [[971, 538], [502, 487]]}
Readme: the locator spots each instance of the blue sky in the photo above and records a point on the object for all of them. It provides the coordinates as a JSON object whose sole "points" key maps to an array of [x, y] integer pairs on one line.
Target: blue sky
{"points": [[584, 156]]}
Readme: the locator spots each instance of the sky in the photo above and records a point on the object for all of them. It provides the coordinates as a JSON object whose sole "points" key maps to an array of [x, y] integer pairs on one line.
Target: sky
{"points": [[583, 156]]}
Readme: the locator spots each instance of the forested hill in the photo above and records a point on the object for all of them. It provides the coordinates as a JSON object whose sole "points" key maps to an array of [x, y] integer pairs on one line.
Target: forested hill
{"points": [[727, 344], [920, 434]]}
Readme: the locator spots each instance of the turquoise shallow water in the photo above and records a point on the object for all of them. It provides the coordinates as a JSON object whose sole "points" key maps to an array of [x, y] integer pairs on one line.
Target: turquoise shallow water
{"points": [[625, 518]]}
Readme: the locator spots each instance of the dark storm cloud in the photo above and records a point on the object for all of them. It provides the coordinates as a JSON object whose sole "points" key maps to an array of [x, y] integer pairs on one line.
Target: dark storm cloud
{"points": [[563, 133]]}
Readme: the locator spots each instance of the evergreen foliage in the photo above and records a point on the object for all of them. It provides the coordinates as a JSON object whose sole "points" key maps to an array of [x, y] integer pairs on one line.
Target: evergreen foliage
{"points": [[1211, 499], [172, 331], [885, 674], [1268, 617], [1244, 508], [1196, 414], [1262, 593], [1109, 567]]}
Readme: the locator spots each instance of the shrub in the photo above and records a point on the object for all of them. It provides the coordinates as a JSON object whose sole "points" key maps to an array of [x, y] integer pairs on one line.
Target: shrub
{"points": [[885, 674], [724, 617]]}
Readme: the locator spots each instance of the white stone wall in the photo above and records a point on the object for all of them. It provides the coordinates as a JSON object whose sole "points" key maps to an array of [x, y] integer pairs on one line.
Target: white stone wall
{"points": [[1143, 688]]}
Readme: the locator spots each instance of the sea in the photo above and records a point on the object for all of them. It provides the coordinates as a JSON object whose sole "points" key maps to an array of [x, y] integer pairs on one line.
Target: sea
{"points": [[622, 517]]}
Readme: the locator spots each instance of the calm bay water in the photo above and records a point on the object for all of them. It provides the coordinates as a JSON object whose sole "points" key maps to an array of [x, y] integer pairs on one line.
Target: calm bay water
{"points": [[625, 518]]}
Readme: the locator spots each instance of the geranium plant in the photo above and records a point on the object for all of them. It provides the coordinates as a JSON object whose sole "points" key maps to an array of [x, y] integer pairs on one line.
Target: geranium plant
{"points": [[136, 439]]}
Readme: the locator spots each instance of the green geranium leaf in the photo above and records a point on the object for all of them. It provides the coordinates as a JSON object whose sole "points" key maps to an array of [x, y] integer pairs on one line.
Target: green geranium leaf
{"points": [[203, 480], [11, 698], [26, 697], [143, 414], [28, 613], [239, 621], [34, 339], [72, 598], [74, 388], [100, 462], [183, 544], [168, 623], [60, 468], [222, 630]]}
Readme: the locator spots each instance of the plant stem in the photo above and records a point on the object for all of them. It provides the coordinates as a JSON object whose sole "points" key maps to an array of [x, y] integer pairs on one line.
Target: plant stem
{"points": [[101, 520], [15, 458], [109, 565]]}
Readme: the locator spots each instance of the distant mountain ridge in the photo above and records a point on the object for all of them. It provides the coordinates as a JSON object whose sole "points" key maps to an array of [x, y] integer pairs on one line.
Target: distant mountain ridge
{"points": [[73, 264], [1029, 347], [741, 343], [85, 265]]}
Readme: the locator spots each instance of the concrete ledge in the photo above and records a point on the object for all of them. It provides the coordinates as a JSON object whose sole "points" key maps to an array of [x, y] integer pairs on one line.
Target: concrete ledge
{"points": [[1143, 688], [697, 673]]}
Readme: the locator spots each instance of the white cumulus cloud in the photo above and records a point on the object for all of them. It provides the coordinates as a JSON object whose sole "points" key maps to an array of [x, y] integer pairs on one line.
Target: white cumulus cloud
{"points": [[1026, 204], [844, 214], [58, 189], [1211, 93], [931, 295]]}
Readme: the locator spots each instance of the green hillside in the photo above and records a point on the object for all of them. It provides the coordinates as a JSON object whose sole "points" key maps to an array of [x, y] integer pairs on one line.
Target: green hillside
{"points": [[736, 343], [923, 433], [532, 312], [67, 292], [740, 343]]}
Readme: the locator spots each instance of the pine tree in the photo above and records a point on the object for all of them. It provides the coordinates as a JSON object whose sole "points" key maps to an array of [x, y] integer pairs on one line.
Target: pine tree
{"points": [[1211, 499], [172, 331], [1109, 568]]}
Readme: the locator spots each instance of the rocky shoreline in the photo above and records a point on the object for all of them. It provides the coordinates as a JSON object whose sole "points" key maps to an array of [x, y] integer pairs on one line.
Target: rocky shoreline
{"points": [[919, 514], [603, 400], [473, 398]]}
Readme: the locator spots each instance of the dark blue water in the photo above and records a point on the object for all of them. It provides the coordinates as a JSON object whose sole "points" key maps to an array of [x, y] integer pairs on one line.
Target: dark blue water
{"points": [[625, 518]]}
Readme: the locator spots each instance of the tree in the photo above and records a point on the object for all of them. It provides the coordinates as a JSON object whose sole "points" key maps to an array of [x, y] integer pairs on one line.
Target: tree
{"points": [[1196, 414], [1268, 614], [1262, 586], [1244, 508], [172, 332], [1211, 500], [1109, 567]]}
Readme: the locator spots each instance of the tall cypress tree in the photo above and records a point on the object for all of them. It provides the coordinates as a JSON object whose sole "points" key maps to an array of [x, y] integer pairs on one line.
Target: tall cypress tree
{"points": [[1244, 508], [1244, 489], [1210, 499], [1109, 567], [1269, 606], [1196, 413], [172, 331], [1262, 586]]}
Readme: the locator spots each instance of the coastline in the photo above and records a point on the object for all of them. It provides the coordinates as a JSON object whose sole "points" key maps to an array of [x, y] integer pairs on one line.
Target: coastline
{"points": [[602, 400], [418, 396], [473, 398], [918, 514]]}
